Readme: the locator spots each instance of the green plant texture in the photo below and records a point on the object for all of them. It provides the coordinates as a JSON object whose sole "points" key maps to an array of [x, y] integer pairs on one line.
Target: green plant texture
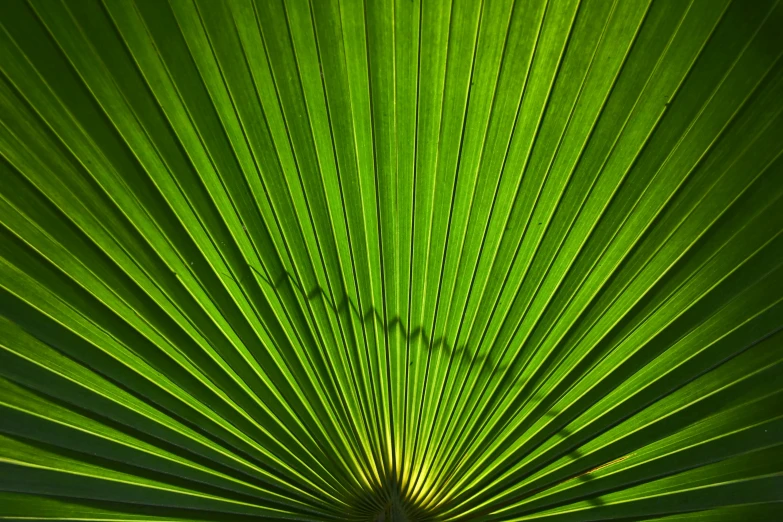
{"points": [[391, 260]]}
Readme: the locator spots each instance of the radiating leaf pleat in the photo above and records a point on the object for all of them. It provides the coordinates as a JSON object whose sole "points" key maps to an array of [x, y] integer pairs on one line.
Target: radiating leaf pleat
{"points": [[391, 260]]}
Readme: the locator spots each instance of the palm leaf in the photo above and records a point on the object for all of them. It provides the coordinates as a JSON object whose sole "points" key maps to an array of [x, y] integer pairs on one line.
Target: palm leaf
{"points": [[391, 260]]}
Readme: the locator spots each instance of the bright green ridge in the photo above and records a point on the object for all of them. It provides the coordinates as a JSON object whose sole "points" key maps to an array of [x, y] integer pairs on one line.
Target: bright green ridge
{"points": [[391, 260]]}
